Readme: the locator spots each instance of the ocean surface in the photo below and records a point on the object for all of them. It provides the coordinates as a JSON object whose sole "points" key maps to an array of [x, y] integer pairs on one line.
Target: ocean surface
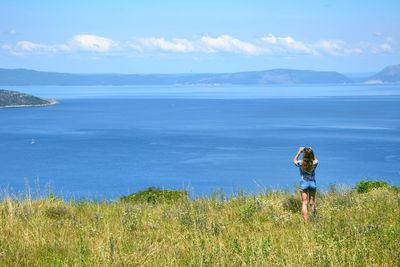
{"points": [[104, 141]]}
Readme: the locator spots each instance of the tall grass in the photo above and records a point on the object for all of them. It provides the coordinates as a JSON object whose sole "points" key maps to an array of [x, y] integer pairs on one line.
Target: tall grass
{"points": [[350, 229]]}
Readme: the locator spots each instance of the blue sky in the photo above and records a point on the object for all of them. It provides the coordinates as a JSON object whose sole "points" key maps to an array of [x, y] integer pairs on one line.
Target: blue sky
{"points": [[156, 36]]}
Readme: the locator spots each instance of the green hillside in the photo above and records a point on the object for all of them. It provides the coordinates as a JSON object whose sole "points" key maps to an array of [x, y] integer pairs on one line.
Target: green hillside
{"points": [[162, 228], [13, 98]]}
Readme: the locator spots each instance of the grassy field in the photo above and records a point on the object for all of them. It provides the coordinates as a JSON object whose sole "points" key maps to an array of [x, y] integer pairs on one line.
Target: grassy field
{"points": [[350, 229]]}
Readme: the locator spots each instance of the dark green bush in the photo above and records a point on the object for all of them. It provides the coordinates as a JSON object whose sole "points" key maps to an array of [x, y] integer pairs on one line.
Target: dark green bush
{"points": [[366, 186], [155, 195]]}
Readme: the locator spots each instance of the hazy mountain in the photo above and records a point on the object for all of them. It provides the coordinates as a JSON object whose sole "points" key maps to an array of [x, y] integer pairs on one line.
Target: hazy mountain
{"points": [[275, 76], [13, 98], [388, 74]]}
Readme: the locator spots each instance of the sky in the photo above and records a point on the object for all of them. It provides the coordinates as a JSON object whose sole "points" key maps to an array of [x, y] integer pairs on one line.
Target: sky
{"points": [[159, 36]]}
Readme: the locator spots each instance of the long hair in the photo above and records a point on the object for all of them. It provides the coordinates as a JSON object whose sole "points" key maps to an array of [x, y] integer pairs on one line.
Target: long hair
{"points": [[307, 160]]}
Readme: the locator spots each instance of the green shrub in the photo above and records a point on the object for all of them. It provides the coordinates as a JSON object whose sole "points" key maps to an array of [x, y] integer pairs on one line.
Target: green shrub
{"points": [[155, 195], [366, 186]]}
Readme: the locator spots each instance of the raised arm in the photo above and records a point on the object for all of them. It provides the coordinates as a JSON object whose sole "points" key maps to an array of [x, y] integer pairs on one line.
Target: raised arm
{"points": [[298, 154]]}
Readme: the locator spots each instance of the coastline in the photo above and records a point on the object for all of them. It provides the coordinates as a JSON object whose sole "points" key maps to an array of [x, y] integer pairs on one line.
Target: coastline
{"points": [[50, 103]]}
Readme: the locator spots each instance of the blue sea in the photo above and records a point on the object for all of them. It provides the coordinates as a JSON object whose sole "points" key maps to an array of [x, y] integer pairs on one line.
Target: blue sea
{"points": [[104, 141]]}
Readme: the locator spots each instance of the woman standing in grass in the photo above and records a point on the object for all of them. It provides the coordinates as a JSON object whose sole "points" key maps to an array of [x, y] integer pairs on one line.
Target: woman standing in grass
{"points": [[308, 187]]}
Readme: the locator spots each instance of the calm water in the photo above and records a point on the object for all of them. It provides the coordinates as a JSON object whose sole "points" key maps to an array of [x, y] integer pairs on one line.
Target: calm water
{"points": [[107, 141]]}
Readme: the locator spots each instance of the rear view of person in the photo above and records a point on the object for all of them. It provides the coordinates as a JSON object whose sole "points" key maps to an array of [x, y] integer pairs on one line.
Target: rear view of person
{"points": [[308, 187]]}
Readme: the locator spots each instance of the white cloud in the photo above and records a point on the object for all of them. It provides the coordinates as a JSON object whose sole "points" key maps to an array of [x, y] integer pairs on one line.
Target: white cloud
{"points": [[29, 46], [287, 45], [228, 43], [332, 47], [175, 45], [204, 44], [298, 46], [8, 48], [79, 42], [93, 43], [63, 48], [386, 47], [383, 48], [270, 39], [25, 47]]}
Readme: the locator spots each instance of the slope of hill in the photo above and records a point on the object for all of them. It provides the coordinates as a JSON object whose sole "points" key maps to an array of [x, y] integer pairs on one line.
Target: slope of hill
{"points": [[388, 74], [351, 228], [17, 99]]}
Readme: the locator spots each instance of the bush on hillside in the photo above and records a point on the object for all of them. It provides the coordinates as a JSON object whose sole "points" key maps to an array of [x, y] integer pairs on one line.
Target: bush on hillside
{"points": [[366, 186], [153, 195]]}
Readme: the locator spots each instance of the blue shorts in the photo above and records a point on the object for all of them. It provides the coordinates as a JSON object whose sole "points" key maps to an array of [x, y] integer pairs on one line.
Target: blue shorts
{"points": [[308, 185]]}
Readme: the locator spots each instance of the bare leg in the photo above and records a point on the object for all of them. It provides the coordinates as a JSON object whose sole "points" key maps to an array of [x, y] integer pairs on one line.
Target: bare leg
{"points": [[304, 199], [312, 200]]}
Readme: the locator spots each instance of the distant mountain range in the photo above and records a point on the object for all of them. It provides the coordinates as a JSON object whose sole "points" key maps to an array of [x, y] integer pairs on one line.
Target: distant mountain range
{"points": [[274, 76], [17, 99]]}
